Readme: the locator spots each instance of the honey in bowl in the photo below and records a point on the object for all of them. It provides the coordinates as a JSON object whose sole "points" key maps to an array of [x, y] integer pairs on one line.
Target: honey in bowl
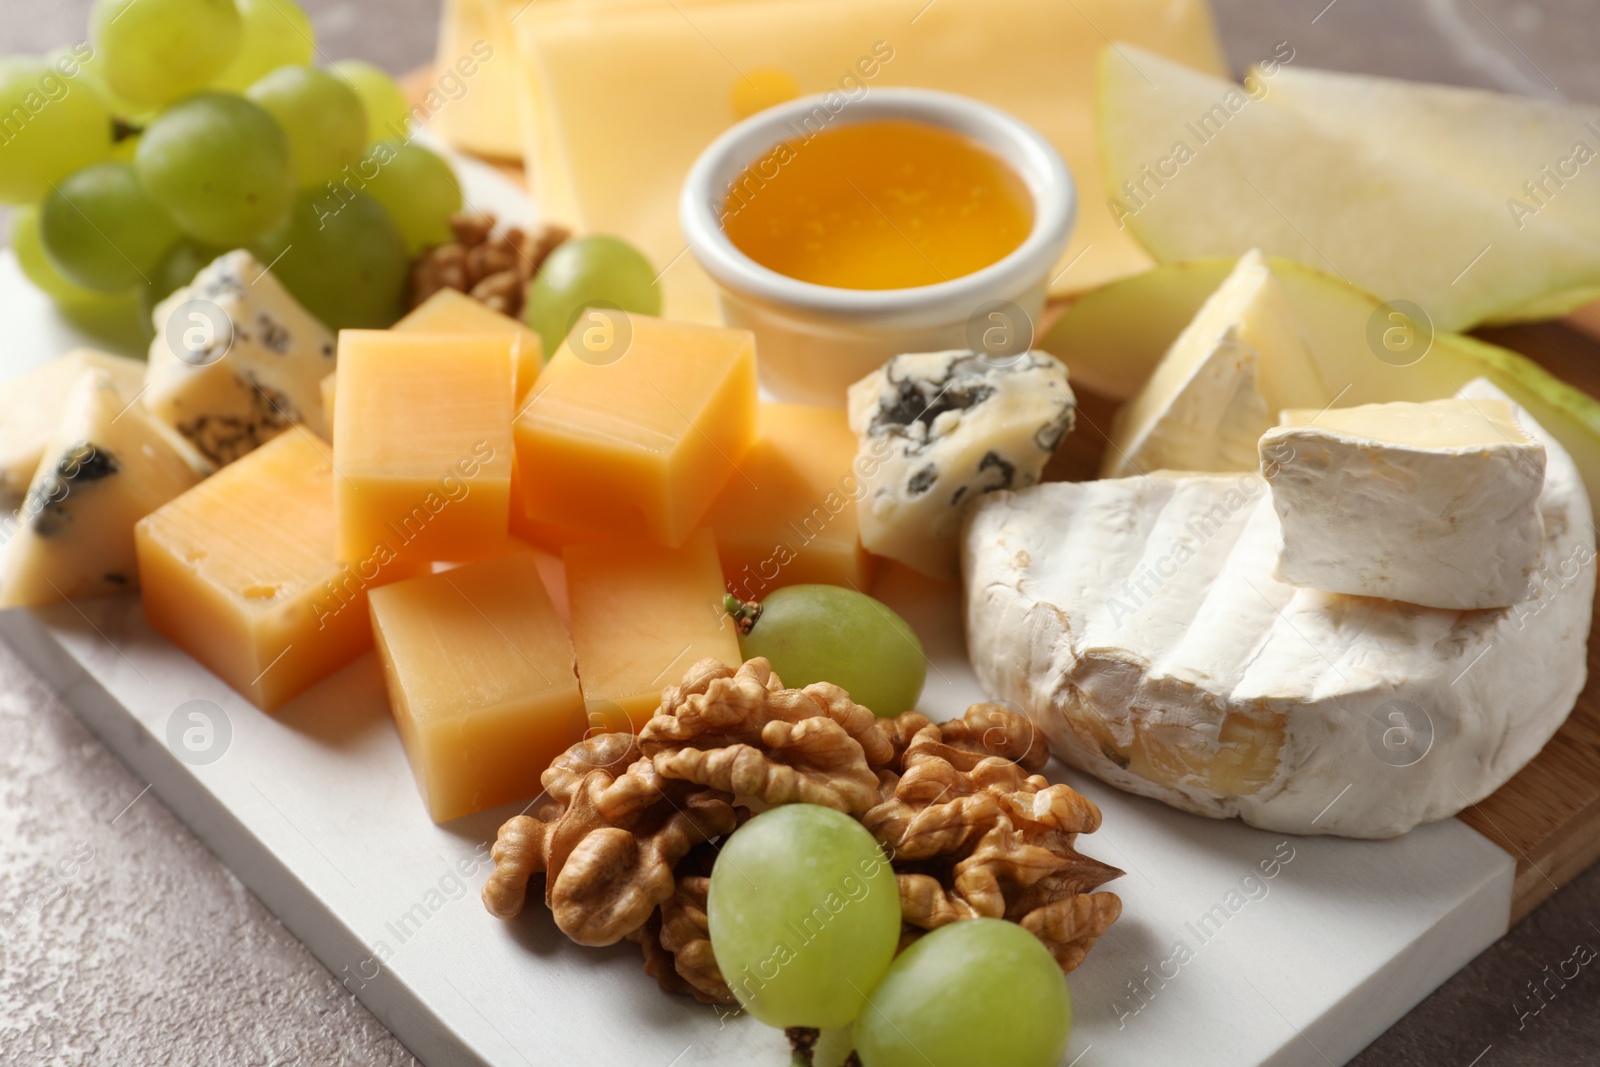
{"points": [[878, 205]]}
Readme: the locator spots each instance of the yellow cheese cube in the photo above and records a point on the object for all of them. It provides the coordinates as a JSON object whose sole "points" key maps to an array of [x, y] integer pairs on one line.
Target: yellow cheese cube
{"points": [[422, 444], [639, 436], [239, 572], [452, 311], [641, 616], [481, 681], [789, 517]]}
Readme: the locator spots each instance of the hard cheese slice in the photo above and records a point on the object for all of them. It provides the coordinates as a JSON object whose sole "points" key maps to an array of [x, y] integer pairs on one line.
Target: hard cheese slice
{"points": [[239, 572], [1138, 622], [422, 445], [1221, 384], [636, 425], [641, 616], [31, 406], [481, 680], [622, 97], [1434, 503], [789, 515], [107, 465]]}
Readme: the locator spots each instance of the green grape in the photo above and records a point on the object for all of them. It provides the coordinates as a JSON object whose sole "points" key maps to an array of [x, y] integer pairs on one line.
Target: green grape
{"points": [[324, 118], [219, 165], [50, 126], [28, 244], [581, 273], [101, 230], [276, 33], [342, 257], [177, 270], [970, 994], [82, 61], [826, 633], [154, 51], [388, 113], [418, 188], [804, 916]]}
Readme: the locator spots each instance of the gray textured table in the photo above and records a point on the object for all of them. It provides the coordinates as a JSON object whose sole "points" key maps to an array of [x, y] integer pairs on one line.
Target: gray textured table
{"points": [[124, 942]]}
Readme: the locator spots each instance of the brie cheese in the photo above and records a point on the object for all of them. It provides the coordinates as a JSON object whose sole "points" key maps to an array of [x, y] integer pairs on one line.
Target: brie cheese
{"points": [[1138, 623], [108, 465], [1222, 383], [30, 410], [940, 429], [236, 360], [1432, 503]]}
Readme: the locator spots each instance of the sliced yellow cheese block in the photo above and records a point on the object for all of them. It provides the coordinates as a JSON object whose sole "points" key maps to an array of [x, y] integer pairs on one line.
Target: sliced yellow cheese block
{"points": [[638, 436], [108, 464], [789, 516], [239, 572], [422, 444], [30, 410], [621, 97], [472, 100], [641, 616], [452, 311], [481, 679]]}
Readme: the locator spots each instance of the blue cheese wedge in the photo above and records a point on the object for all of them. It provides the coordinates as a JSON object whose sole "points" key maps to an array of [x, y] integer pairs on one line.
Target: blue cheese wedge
{"points": [[1432, 503], [107, 465], [236, 360], [1137, 621], [30, 410], [937, 431]]}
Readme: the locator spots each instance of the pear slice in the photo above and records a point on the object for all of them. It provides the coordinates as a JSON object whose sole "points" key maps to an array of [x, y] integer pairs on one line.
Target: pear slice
{"points": [[1113, 338], [1199, 166]]}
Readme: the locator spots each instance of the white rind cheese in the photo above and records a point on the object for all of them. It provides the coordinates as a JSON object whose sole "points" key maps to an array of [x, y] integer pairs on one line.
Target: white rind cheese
{"points": [[236, 360], [1222, 383], [1432, 503], [108, 465], [1138, 623], [940, 429], [30, 410]]}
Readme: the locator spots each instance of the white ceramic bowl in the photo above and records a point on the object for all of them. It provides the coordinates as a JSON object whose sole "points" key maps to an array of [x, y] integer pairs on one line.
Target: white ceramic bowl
{"points": [[813, 341]]}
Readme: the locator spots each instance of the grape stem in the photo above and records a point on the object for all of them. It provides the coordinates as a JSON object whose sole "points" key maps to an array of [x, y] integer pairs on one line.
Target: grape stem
{"points": [[745, 613], [802, 1039], [122, 129]]}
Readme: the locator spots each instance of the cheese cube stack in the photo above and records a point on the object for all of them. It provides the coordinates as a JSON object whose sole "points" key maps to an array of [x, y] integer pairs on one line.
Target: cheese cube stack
{"points": [[31, 408], [641, 616], [239, 572], [636, 425], [789, 516], [1432, 503], [107, 465], [422, 444], [1221, 384], [481, 681], [236, 360]]}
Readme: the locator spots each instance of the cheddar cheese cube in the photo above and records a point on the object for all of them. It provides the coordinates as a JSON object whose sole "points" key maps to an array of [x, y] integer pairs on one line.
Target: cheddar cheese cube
{"points": [[422, 444], [789, 516], [239, 572], [452, 311], [636, 425], [481, 680], [642, 614]]}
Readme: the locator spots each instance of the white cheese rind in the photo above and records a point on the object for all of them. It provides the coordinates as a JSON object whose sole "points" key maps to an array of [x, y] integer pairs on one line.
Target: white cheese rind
{"points": [[270, 377], [937, 431], [1434, 503], [30, 409], [1220, 386], [1138, 623], [108, 465]]}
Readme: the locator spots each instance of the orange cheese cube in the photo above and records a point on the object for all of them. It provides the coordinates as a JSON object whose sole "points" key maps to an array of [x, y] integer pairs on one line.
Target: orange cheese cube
{"points": [[422, 444], [452, 311], [239, 572], [642, 615], [791, 517], [481, 681], [636, 425]]}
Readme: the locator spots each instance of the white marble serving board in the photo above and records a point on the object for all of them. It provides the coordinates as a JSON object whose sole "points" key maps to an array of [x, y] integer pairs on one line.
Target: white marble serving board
{"points": [[1214, 964]]}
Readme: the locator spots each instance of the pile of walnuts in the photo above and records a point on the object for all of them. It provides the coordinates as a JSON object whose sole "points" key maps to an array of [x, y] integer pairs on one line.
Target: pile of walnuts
{"points": [[493, 265], [626, 831]]}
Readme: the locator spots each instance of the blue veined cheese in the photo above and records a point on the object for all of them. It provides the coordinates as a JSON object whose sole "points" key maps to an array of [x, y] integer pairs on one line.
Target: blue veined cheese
{"points": [[30, 409], [938, 430], [1138, 623], [236, 360], [107, 465]]}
